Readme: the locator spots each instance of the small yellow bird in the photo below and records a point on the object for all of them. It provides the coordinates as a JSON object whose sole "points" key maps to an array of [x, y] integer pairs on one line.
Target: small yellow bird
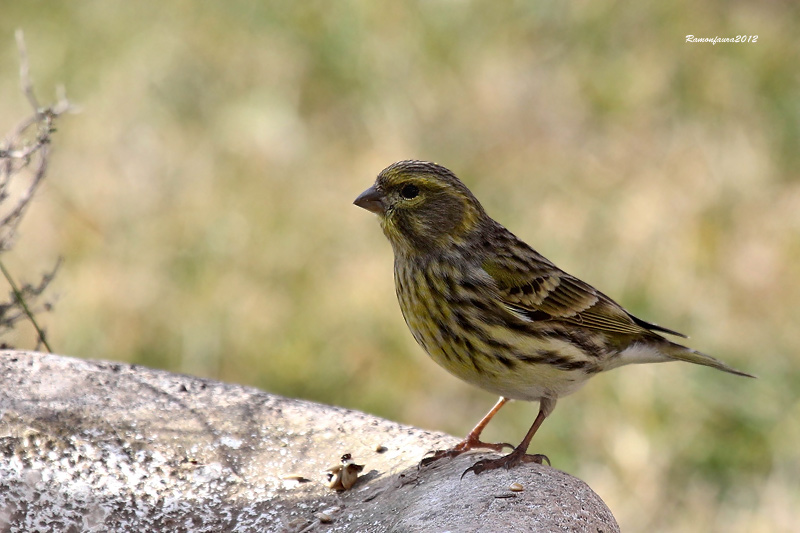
{"points": [[494, 312]]}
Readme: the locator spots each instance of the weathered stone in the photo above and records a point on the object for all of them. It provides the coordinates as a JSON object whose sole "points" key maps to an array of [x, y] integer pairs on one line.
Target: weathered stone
{"points": [[100, 446]]}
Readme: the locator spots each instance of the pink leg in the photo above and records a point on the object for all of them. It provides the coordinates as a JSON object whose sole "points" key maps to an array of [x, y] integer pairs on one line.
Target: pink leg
{"points": [[472, 440], [519, 455]]}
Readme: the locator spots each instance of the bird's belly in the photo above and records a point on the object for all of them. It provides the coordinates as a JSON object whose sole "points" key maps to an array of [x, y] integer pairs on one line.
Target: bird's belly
{"points": [[524, 368], [530, 382]]}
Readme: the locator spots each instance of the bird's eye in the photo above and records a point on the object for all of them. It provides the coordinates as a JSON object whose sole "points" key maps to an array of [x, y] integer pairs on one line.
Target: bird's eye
{"points": [[409, 191]]}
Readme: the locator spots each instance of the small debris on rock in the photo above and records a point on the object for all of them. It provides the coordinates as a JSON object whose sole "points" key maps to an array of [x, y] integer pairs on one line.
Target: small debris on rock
{"points": [[516, 487], [344, 475], [295, 477]]}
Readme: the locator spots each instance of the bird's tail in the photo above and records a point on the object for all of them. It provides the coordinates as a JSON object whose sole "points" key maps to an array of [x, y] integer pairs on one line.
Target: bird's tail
{"points": [[682, 353]]}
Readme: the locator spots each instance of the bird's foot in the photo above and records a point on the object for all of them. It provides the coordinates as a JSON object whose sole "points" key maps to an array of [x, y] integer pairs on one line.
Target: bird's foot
{"points": [[464, 446], [518, 456]]}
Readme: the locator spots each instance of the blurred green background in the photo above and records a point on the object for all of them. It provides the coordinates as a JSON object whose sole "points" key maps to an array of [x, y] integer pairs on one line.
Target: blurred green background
{"points": [[202, 203]]}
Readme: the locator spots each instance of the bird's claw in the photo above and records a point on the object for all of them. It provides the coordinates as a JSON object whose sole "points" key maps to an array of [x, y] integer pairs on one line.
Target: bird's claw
{"points": [[435, 455], [461, 447], [508, 461]]}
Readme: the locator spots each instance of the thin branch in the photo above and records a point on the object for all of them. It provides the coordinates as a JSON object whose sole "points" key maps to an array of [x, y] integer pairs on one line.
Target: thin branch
{"points": [[24, 71], [25, 151], [17, 154], [24, 305]]}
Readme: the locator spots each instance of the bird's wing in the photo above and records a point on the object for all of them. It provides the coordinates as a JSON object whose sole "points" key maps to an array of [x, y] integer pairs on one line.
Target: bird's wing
{"points": [[535, 289]]}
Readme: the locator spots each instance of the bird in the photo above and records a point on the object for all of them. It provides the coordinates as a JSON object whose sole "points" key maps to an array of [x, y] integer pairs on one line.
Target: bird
{"points": [[496, 313]]}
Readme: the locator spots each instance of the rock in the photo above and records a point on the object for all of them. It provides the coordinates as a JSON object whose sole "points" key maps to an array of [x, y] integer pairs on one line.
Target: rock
{"points": [[102, 446]]}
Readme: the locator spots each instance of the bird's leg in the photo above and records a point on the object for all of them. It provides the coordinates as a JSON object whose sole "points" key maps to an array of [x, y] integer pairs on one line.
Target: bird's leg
{"points": [[472, 440], [519, 455]]}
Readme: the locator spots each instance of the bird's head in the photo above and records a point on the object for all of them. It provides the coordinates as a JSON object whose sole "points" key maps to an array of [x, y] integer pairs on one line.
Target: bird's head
{"points": [[423, 207]]}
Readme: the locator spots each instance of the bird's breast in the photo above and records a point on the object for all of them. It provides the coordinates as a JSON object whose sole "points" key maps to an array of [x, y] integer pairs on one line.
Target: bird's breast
{"points": [[457, 319]]}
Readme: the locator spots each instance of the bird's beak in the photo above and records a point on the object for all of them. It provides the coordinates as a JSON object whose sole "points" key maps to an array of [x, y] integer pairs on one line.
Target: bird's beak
{"points": [[371, 200]]}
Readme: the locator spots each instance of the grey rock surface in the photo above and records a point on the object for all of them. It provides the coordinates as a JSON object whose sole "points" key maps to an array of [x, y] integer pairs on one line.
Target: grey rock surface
{"points": [[102, 446]]}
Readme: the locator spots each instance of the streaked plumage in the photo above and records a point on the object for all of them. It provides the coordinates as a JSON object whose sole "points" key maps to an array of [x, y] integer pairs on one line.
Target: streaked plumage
{"points": [[494, 312]]}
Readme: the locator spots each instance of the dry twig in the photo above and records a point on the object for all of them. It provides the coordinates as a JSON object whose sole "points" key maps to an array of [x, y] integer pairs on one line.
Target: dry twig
{"points": [[24, 156]]}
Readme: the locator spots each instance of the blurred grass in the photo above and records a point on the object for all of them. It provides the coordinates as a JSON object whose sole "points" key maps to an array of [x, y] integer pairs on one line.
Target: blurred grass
{"points": [[202, 202]]}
